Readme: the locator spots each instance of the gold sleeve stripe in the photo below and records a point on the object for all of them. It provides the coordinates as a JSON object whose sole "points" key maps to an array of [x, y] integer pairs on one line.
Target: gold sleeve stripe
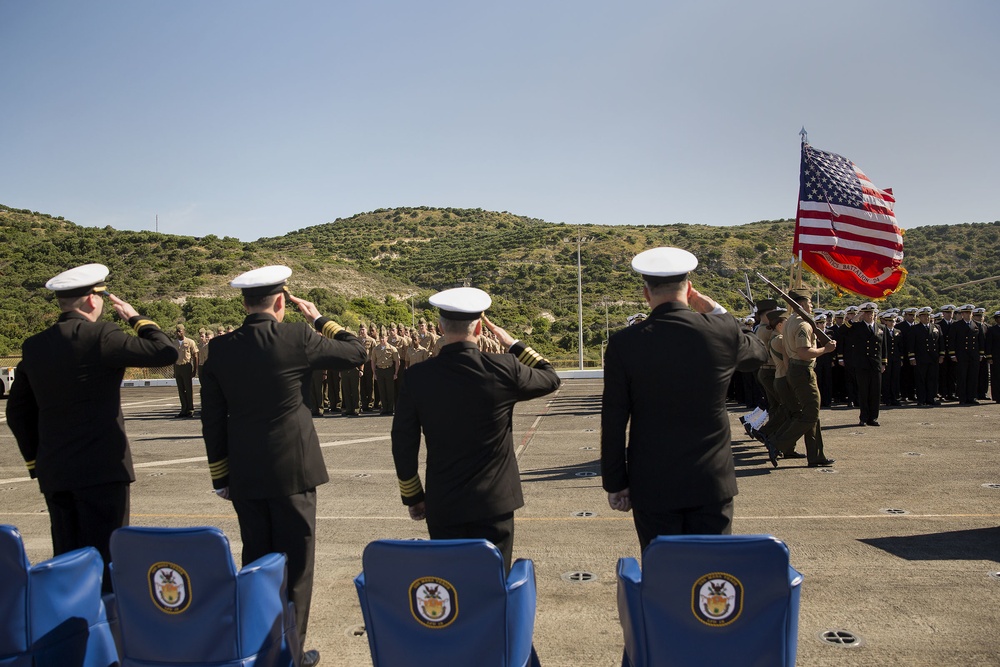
{"points": [[30, 464], [144, 323], [331, 328], [410, 487], [219, 469], [529, 357]]}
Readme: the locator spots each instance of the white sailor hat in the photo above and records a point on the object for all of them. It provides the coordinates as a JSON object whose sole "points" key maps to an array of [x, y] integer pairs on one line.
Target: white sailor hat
{"points": [[79, 281], [461, 303], [868, 307], [947, 307], [664, 265], [967, 308], [851, 309], [926, 310], [911, 309], [264, 281]]}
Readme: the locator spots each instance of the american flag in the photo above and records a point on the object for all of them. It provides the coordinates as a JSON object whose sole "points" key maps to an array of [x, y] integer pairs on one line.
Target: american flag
{"points": [[845, 227]]}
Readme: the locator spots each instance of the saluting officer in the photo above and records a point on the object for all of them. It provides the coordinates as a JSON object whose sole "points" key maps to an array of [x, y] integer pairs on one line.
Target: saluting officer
{"points": [[65, 409], [670, 374], [462, 400], [263, 451]]}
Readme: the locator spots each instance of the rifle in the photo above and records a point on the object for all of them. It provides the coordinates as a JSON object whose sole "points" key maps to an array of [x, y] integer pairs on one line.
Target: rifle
{"points": [[821, 336], [753, 306]]}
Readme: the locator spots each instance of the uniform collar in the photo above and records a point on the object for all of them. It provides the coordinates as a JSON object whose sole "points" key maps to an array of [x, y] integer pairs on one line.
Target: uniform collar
{"points": [[72, 315], [256, 318], [458, 347]]}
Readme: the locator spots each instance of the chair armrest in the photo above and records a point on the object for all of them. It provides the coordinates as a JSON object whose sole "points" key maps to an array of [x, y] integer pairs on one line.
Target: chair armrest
{"points": [[68, 585], [261, 600], [630, 613], [521, 602]]}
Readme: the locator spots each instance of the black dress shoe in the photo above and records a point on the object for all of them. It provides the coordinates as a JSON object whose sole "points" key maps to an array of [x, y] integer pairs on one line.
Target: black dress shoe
{"points": [[873, 423], [772, 451], [793, 455], [863, 423], [310, 658], [822, 463]]}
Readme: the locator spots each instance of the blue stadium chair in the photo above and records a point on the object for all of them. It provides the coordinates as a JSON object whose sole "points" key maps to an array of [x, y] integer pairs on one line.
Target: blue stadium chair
{"points": [[180, 601], [710, 599], [52, 614], [448, 602]]}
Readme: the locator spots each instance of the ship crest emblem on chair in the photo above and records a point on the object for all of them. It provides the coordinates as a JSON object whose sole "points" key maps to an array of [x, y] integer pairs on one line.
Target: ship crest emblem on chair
{"points": [[169, 587], [717, 599], [433, 602]]}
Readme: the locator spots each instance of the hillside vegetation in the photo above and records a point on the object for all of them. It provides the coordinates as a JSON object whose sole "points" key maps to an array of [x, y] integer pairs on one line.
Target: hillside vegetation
{"points": [[376, 265]]}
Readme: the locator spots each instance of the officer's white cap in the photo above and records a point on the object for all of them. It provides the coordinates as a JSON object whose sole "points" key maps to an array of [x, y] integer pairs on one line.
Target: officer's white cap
{"points": [[926, 310], [664, 265], [947, 307], [820, 317], [887, 314], [996, 314], [263, 281], [979, 310], [461, 303], [851, 309], [79, 281], [912, 310], [868, 307], [967, 308], [638, 317], [839, 313]]}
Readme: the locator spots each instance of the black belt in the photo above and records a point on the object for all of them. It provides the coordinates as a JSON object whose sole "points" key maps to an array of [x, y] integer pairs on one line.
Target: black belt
{"points": [[800, 362]]}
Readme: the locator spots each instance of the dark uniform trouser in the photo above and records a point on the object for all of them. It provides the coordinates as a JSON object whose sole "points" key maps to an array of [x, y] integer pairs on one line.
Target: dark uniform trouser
{"points": [[984, 377], [350, 381], [786, 397], [182, 375], [333, 388], [367, 387], [286, 524], [805, 414], [385, 388], [713, 519], [925, 380], [777, 414], [966, 378], [86, 517], [946, 377], [869, 383], [499, 530]]}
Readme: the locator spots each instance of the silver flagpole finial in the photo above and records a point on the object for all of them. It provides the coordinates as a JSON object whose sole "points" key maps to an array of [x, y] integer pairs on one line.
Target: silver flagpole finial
{"points": [[804, 135]]}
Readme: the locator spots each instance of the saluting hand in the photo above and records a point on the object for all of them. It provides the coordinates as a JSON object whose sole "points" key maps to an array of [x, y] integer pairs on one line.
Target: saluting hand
{"points": [[307, 308], [123, 308], [505, 338], [698, 302]]}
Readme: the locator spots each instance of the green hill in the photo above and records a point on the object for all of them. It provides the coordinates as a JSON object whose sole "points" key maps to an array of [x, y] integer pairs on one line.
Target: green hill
{"points": [[374, 265]]}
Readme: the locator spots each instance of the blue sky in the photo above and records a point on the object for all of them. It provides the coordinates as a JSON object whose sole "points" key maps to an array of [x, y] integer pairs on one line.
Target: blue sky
{"points": [[250, 119]]}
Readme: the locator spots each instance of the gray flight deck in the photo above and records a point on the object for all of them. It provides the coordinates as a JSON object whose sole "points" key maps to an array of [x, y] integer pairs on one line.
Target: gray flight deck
{"points": [[898, 542]]}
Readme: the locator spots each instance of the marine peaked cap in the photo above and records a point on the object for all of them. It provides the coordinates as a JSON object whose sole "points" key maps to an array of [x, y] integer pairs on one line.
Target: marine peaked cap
{"points": [[264, 281], [664, 265], [79, 281], [461, 303]]}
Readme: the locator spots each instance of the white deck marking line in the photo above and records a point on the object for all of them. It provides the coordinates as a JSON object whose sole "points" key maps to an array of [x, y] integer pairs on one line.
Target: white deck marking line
{"points": [[531, 430]]}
